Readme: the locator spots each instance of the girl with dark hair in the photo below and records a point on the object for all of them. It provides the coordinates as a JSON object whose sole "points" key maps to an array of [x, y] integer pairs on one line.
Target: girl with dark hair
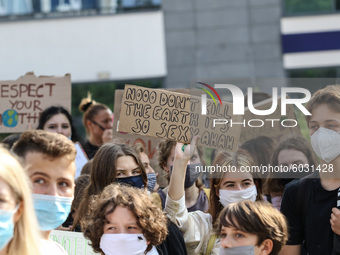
{"points": [[58, 120], [118, 162]]}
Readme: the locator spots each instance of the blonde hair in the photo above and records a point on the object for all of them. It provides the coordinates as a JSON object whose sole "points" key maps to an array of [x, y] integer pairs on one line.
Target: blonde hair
{"points": [[26, 236]]}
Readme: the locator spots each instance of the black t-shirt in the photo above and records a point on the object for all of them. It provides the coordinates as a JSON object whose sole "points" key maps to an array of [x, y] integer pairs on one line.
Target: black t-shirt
{"points": [[316, 228], [90, 149]]}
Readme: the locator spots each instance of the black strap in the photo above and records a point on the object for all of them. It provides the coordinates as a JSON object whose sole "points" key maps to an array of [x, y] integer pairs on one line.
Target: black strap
{"points": [[303, 197], [336, 239]]}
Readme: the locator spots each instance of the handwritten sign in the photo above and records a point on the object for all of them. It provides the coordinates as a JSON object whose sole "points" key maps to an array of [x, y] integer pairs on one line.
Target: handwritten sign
{"points": [[149, 143], [23, 100], [73, 242], [156, 113], [176, 116], [275, 125]]}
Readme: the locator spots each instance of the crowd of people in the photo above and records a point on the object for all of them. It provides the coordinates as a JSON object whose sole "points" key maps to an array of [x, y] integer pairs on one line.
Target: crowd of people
{"points": [[119, 207]]}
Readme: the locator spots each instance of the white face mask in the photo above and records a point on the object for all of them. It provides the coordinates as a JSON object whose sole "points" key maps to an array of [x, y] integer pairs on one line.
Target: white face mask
{"points": [[122, 244], [240, 250], [326, 144], [230, 196]]}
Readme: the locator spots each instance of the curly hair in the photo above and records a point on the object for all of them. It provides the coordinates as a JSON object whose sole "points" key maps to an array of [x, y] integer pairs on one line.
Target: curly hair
{"points": [[150, 218], [257, 218], [50, 144]]}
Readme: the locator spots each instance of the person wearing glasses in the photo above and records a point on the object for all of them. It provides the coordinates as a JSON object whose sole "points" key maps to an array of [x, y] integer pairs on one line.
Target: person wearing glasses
{"points": [[98, 123]]}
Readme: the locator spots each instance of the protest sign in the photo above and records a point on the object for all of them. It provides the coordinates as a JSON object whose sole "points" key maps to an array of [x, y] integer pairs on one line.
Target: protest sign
{"points": [[275, 125], [81, 159], [23, 100], [176, 116], [156, 113], [149, 143], [73, 242]]}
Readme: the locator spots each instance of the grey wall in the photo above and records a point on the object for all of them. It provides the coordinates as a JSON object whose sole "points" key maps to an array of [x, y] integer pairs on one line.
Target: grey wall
{"points": [[221, 39]]}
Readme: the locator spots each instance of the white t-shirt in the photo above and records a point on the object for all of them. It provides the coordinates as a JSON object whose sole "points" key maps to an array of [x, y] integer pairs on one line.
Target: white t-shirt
{"points": [[50, 247]]}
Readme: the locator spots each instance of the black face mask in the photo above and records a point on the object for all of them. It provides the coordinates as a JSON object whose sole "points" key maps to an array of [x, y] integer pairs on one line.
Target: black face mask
{"points": [[134, 181], [191, 174]]}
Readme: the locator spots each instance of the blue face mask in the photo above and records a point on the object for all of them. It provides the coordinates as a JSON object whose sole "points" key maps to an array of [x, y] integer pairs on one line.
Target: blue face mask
{"points": [[51, 211], [6, 226], [152, 179], [134, 181]]}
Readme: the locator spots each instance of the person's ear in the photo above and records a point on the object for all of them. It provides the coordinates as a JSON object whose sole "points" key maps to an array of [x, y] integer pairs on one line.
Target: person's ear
{"points": [[19, 212], [266, 247], [217, 191]]}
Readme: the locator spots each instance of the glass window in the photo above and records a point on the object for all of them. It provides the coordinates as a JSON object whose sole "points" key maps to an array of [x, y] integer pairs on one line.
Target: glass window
{"points": [[297, 7]]}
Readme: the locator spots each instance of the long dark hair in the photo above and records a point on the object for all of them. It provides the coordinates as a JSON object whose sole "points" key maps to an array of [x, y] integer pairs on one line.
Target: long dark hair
{"points": [[104, 172], [49, 112]]}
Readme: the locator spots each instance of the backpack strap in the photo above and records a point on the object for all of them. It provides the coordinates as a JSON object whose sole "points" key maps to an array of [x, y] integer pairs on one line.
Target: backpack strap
{"points": [[303, 196], [211, 244]]}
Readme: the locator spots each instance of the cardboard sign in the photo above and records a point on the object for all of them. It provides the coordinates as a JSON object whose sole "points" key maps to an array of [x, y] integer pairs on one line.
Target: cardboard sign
{"points": [[272, 129], [149, 143], [156, 113], [23, 100], [73, 242], [176, 116], [81, 159], [213, 133]]}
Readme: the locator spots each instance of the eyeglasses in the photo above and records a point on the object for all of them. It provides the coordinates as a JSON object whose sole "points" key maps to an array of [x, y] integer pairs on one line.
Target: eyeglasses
{"points": [[97, 124]]}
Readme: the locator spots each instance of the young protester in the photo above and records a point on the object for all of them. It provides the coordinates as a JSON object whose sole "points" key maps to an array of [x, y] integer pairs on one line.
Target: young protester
{"points": [[248, 227], [49, 159], [196, 196], [309, 204], [227, 187], [294, 152], [118, 162], [58, 120], [123, 220], [98, 123], [151, 175], [19, 233]]}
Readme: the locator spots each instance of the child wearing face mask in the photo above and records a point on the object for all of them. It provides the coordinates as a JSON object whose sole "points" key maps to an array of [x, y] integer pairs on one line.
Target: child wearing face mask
{"points": [[226, 188], [123, 220], [254, 228], [316, 227], [119, 163]]}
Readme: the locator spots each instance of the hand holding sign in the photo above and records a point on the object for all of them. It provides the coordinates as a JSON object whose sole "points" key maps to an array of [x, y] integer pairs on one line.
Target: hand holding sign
{"points": [[176, 116]]}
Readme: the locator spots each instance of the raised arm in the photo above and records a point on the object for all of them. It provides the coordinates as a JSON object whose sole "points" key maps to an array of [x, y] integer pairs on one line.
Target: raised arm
{"points": [[182, 156]]}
